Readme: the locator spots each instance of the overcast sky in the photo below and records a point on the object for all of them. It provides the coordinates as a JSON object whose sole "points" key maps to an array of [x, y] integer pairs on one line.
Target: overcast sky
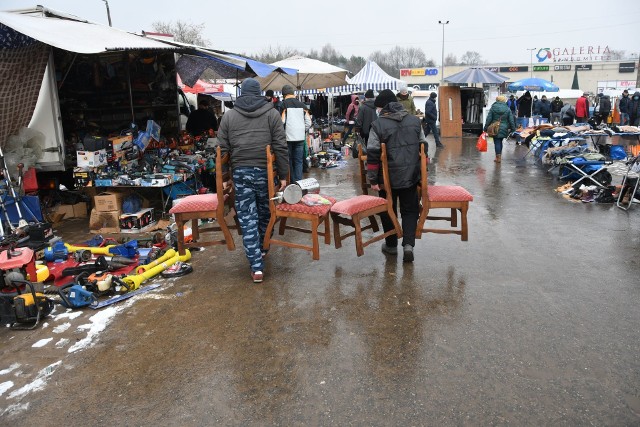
{"points": [[501, 31]]}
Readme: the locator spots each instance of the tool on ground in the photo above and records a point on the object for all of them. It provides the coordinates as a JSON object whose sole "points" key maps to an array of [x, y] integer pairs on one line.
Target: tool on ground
{"points": [[129, 249], [178, 269], [167, 255], [101, 264], [57, 252], [123, 297], [16, 264], [82, 255], [134, 282], [24, 307], [75, 296]]}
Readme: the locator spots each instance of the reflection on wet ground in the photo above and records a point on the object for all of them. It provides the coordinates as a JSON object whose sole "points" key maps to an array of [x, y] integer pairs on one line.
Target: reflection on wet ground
{"points": [[529, 322]]}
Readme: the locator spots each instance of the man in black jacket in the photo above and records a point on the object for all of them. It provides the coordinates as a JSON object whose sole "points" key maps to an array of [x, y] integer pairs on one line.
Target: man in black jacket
{"points": [[403, 135], [202, 120], [430, 118], [623, 107], [366, 116]]}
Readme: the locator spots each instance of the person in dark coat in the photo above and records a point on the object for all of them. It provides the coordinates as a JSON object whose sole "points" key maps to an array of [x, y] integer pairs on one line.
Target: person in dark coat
{"points": [[544, 108], [430, 118], [536, 111], [367, 114], [556, 108], [634, 109], [604, 109], [500, 111], [403, 134], [245, 133], [623, 107], [524, 109], [201, 120]]}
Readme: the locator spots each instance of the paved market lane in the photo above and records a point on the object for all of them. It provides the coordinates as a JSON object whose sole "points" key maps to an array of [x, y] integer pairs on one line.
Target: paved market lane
{"points": [[534, 320]]}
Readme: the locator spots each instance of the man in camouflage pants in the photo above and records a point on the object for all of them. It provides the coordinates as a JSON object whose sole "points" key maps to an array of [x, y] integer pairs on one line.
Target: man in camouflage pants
{"points": [[244, 132]]}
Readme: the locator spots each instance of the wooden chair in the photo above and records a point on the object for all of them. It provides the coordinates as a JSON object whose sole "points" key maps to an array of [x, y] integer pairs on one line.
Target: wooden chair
{"points": [[352, 211], [451, 197], [209, 206], [316, 215]]}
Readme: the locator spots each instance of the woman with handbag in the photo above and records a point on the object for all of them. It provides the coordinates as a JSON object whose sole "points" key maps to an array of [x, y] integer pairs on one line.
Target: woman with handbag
{"points": [[501, 123]]}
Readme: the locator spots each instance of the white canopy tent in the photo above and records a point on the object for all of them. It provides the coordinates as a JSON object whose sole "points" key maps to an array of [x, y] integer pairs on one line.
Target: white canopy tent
{"points": [[373, 77], [312, 74]]}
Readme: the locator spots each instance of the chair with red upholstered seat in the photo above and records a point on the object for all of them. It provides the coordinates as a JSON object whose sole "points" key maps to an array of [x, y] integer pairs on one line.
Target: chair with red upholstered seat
{"points": [[209, 206], [316, 215], [451, 197], [352, 211]]}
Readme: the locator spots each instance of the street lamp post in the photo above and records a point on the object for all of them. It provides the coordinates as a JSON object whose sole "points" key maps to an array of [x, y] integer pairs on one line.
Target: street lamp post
{"points": [[106, 3], [531, 60], [443, 23]]}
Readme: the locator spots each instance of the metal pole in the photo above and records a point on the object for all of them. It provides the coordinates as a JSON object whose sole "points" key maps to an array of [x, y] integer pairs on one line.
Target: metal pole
{"points": [[108, 13], [442, 64], [531, 61]]}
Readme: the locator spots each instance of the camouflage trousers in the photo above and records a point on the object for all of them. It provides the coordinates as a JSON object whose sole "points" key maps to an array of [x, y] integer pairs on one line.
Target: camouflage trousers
{"points": [[252, 207]]}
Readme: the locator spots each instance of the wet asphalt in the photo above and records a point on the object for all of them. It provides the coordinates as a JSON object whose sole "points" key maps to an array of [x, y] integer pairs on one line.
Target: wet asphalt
{"points": [[533, 321]]}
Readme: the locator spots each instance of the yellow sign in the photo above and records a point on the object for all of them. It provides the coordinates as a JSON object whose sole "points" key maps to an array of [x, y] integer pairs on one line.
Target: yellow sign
{"points": [[417, 72]]}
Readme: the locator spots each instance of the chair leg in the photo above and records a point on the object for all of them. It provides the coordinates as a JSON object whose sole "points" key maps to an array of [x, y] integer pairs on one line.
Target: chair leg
{"points": [[268, 232], [358, 234], [421, 220], [454, 217], [180, 226], [315, 224], [283, 225], [374, 224], [235, 219], [327, 234], [336, 232], [463, 215], [195, 232], [227, 235]]}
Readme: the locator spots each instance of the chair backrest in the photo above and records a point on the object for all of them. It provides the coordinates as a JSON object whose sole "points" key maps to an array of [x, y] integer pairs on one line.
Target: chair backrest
{"points": [[362, 162], [223, 176], [385, 172], [424, 169]]}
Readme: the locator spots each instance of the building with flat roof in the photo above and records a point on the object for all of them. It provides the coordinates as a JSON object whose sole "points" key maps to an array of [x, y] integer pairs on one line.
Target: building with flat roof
{"points": [[592, 76]]}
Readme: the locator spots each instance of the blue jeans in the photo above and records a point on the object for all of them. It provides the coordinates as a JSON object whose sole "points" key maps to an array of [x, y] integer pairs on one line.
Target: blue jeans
{"points": [[252, 207], [624, 119], [296, 157], [498, 145]]}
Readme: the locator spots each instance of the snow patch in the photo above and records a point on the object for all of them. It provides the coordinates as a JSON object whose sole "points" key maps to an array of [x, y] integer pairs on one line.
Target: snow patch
{"points": [[13, 367], [38, 383], [5, 386], [16, 408], [62, 343], [61, 328], [69, 314], [42, 342], [99, 323]]}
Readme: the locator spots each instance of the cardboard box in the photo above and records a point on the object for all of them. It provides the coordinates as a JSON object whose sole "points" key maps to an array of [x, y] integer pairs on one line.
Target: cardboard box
{"points": [[107, 201], [80, 210], [104, 222], [91, 159], [137, 220], [120, 144]]}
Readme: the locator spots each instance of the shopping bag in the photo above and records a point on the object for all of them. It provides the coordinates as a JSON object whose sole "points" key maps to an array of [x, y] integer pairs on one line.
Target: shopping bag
{"points": [[481, 145]]}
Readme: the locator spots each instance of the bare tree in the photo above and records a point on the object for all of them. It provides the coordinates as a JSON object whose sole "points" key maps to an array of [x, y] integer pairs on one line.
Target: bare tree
{"points": [[617, 54], [471, 58], [451, 59], [399, 57], [355, 64], [274, 54], [182, 31]]}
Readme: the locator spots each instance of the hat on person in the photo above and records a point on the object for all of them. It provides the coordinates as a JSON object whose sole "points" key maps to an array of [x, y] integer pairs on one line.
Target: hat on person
{"points": [[269, 93], [544, 96], [536, 96], [403, 89], [250, 87], [385, 97], [511, 96], [585, 94], [433, 95], [625, 91], [369, 94], [287, 90], [501, 98]]}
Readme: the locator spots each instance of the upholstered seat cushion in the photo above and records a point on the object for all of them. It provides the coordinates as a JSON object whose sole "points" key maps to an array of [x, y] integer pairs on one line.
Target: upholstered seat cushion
{"points": [[302, 208], [196, 203], [448, 193], [357, 204]]}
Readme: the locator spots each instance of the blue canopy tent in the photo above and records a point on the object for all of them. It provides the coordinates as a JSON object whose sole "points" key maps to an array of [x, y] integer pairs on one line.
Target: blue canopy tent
{"points": [[476, 75], [533, 84]]}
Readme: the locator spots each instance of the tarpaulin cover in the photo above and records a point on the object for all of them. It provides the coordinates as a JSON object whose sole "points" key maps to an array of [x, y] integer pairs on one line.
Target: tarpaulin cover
{"points": [[311, 74], [76, 35]]}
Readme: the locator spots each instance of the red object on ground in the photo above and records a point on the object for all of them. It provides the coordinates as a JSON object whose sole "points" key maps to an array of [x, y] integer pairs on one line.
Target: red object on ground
{"points": [[55, 271]]}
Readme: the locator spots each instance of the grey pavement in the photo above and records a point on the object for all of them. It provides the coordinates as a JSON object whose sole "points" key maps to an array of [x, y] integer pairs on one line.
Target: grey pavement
{"points": [[533, 321]]}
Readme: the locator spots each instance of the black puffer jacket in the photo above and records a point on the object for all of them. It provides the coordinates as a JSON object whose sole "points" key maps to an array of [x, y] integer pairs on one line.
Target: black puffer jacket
{"points": [[366, 116], [403, 134], [430, 111]]}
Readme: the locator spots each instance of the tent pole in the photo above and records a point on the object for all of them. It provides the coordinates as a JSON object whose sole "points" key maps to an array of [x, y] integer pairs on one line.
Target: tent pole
{"points": [[133, 114]]}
